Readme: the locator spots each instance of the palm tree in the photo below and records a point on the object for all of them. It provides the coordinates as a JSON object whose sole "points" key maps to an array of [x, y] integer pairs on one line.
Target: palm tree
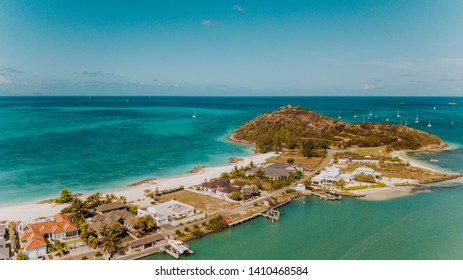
{"points": [[94, 200], [109, 198], [78, 209], [111, 238], [123, 199]]}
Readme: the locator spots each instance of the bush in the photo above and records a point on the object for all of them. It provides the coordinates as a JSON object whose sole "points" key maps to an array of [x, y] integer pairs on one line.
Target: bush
{"points": [[186, 229], [235, 196], [217, 224], [291, 191], [290, 160], [197, 233], [84, 258], [98, 254]]}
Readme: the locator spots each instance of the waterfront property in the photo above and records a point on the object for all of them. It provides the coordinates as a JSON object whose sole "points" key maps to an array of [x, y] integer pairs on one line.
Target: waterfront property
{"points": [[111, 213], [144, 243], [277, 170], [331, 175], [5, 246], [220, 187], [34, 237], [109, 207], [171, 213], [367, 171]]}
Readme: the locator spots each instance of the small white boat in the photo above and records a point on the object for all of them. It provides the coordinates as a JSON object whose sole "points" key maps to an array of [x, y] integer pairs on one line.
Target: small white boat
{"points": [[339, 115], [429, 124], [371, 114], [387, 119], [398, 114], [194, 114], [452, 122], [434, 160], [406, 123], [417, 120], [355, 115], [434, 108]]}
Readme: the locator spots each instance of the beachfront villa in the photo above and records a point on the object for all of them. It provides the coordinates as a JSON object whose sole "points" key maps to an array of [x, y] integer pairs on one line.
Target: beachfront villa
{"points": [[33, 237], [111, 213], [221, 187], [358, 160], [171, 213], [277, 170], [367, 171], [331, 175]]}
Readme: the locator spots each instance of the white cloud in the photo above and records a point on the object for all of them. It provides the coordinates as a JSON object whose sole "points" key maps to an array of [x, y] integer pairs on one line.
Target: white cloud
{"points": [[238, 8], [207, 23], [393, 65], [449, 61], [367, 87], [4, 80]]}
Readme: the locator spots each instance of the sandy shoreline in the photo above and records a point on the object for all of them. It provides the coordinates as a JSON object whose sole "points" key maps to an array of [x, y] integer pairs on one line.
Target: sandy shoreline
{"points": [[134, 195]]}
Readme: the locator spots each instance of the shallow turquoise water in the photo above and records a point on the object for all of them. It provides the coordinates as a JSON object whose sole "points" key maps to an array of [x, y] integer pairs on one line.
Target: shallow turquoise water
{"points": [[102, 143]]}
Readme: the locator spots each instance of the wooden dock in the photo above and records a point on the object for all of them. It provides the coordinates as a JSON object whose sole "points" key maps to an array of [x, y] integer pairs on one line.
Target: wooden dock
{"points": [[326, 195]]}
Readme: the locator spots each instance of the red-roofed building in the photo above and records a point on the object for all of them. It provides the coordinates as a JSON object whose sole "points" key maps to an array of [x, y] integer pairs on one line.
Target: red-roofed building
{"points": [[33, 239]]}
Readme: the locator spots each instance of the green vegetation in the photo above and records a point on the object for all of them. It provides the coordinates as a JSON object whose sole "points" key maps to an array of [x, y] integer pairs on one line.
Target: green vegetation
{"points": [[292, 127], [290, 160], [21, 256], [197, 233], [98, 254], [132, 208], [377, 185], [156, 193], [146, 224], [217, 224], [65, 196], [291, 191], [111, 238], [13, 236], [341, 183], [362, 177], [77, 210]]}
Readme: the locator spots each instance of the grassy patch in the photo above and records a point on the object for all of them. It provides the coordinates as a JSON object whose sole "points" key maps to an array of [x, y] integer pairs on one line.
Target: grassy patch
{"points": [[309, 163], [204, 203], [373, 186]]}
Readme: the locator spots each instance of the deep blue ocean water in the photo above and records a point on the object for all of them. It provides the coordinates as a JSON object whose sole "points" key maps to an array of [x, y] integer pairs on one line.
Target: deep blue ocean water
{"points": [[98, 143]]}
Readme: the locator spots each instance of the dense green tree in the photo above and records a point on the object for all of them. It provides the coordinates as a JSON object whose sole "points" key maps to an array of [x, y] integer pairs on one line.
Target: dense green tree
{"points": [[65, 196], [308, 148], [111, 238]]}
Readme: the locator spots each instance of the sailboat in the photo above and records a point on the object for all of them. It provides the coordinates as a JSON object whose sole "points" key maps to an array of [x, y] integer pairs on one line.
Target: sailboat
{"points": [[429, 124], [451, 122], [417, 120], [355, 115], [398, 113], [339, 115], [406, 123], [363, 119], [387, 119], [371, 114], [194, 114], [434, 108]]}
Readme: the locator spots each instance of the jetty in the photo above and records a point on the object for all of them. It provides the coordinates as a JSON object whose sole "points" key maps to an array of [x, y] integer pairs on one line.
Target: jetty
{"points": [[326, 195]]}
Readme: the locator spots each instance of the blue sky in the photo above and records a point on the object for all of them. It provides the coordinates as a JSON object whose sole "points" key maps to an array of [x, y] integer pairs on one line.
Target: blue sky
{"points": [[224, 47]]}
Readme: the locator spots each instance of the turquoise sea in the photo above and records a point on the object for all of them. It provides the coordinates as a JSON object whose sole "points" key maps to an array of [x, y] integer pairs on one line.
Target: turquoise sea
{"points": [[98, 143]]}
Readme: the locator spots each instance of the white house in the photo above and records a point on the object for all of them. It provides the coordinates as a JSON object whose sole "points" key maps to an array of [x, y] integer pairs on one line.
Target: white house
{"points": [[171, 213], [330, 175], [367, 171]]}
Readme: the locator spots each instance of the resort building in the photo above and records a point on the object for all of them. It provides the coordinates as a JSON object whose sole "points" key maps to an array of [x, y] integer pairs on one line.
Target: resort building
{"points": [[358, 160], [34, 238], [220, 186], [5, 246], [113, 206], [111, 213], [144, 243], [171, 213], [331, 175], [367, 171]]}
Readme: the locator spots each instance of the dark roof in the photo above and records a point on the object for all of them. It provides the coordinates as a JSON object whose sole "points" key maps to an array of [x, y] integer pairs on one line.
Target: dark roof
{"points": [[146, 240], [216, 183], [111, 206], [278, 165], [229, 189], [363, 158], [276, 172]]}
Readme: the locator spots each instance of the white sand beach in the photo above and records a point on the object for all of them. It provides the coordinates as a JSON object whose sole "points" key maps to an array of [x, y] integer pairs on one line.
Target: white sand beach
{"points": [[406, 159], [134, 195]]}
